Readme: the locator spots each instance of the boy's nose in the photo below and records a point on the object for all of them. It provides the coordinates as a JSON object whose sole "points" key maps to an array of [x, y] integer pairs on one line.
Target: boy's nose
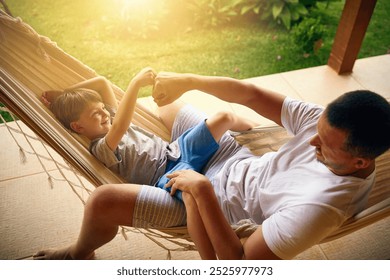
{"points": [[104, 113]]}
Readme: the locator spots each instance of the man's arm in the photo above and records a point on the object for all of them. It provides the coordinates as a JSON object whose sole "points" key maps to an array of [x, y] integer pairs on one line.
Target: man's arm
{"points": [[170, 86]]}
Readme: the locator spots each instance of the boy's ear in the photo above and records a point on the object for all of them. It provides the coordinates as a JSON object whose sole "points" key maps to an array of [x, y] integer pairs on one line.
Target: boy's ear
{"points": [[76, 127]]}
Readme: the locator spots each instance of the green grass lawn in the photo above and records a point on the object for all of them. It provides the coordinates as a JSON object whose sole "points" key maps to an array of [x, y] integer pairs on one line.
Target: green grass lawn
{"points": [[89, 31]]}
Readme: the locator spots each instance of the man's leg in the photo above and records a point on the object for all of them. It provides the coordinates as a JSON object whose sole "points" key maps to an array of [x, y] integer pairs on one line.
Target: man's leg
{"points": [[108, 207]]}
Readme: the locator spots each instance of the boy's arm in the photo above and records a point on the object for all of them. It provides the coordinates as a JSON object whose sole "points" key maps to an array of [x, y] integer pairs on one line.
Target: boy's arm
{"points": [[125, 112], [170, 86], [221, 233], [100, 85]]}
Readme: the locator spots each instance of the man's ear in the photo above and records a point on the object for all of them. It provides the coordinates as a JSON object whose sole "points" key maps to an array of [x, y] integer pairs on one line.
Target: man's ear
{"points": [[76, 127], [362, 163]]}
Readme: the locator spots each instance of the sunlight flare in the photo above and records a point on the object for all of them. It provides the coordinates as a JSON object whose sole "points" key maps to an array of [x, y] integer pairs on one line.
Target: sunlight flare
{"points": [[139, 10], [136, 5]]}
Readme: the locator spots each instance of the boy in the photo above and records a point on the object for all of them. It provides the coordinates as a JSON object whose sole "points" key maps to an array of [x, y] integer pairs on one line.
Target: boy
{"points": [[137, 155]]}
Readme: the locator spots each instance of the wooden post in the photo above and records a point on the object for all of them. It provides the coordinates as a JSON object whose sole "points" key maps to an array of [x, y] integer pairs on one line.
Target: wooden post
{"points": [[352, 27]]}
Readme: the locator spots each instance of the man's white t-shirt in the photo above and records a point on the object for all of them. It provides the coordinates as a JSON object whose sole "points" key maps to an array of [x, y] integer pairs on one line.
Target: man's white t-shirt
{"points": [[297, 199]]}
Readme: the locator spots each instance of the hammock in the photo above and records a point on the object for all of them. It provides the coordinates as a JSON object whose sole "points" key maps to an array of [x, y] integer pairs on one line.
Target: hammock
{"points": [[31, 64]]}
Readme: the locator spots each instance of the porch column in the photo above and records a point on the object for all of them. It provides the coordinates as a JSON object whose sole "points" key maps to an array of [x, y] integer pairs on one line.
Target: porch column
{"points": [[352, 27]]}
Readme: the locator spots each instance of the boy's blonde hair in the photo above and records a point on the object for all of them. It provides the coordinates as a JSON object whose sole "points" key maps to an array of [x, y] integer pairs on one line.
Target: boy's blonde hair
{"points": [[68, 106]]}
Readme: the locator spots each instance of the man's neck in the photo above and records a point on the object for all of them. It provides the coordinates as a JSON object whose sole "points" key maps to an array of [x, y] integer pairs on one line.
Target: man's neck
{"points": [[364, 173]]}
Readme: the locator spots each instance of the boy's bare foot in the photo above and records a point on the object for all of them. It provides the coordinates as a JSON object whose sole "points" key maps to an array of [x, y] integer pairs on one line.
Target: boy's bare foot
{"points": [[57, 254]]}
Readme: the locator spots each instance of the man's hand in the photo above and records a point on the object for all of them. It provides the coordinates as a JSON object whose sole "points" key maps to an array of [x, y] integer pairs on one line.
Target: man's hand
{"points": [[170, 86]]}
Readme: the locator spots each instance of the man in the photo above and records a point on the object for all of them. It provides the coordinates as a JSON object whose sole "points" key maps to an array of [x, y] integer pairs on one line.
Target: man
{"points": [[299, 194]]}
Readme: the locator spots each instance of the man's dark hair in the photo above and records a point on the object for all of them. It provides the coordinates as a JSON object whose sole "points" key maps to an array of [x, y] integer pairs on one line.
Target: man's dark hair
{"points": [[365, 117]]}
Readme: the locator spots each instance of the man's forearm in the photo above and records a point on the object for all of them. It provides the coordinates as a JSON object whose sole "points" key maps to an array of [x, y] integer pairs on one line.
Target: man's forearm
{"points": [[263, 101], [225, 88]]}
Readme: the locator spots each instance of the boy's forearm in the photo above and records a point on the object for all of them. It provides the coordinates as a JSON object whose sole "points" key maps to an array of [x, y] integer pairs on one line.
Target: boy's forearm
{"points": [[217, 227], [123, 116], [126, 107], [125, 112], [100, 85]]}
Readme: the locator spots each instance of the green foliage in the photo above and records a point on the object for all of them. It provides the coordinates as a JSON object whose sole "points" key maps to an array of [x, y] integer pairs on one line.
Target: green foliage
{"points": [[286, 12], [5, 115], [281, 11], [211, 13], [240, 49], [308, 34]]}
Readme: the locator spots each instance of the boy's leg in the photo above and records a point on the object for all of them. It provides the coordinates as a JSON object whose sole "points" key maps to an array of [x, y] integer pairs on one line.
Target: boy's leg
{"points": [[182, 118], [107, 207], [197, 146], [199, 143], [110, 206], [221, 122], [169, 112]]}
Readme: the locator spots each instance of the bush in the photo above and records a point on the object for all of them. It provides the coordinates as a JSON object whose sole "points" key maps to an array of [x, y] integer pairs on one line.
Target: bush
{"points": [[211, 13], [5, 115], [309, 34], [154, 18], [287, 12]]}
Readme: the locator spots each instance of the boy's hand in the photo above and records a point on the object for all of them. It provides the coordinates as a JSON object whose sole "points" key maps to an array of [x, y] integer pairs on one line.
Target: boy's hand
{"points": [[49, 96], [169, 86], [145, 77], [188, 181]]}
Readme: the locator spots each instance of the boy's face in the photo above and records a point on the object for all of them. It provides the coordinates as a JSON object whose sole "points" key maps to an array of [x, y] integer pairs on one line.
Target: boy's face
{"points": [[94, 121]]}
